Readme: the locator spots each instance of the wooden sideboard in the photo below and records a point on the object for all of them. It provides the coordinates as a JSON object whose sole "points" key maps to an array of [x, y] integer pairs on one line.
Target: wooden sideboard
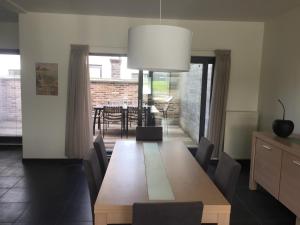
{"points": [[275, 165]]}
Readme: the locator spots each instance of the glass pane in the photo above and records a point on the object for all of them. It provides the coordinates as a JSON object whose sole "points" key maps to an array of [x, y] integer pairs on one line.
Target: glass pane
{"points": [[191, 83], [147, 83], [112, 83], [208, 96], [111, 67], [10, 95], [161, 84]]}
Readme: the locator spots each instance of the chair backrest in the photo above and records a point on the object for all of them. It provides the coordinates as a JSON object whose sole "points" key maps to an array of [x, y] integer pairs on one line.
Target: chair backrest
{"points": [[112, 112], [132, 109], [227, 175], [149, 133], [101, 153], [93, 174], [203, 154], [181, 213]]}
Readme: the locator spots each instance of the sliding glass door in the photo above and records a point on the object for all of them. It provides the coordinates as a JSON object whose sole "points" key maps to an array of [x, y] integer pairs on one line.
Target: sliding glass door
{"points": [[195, 95], [10, 94]]}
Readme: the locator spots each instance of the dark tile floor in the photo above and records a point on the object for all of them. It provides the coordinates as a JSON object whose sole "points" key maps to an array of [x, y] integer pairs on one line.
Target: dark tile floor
{"points": [[56, 193]]}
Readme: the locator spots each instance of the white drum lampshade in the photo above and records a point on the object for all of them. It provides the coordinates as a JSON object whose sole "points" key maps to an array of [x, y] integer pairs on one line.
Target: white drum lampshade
{"points": [[159, 48]]}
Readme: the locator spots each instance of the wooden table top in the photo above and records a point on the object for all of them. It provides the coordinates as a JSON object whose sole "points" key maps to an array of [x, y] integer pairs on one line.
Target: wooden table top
{"points": [[125, 179]]}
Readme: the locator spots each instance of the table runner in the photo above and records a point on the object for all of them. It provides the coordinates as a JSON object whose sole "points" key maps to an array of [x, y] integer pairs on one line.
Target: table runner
{"points": [[158, 184]]}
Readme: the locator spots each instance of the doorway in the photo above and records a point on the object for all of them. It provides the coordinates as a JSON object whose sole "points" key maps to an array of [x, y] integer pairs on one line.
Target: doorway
{"points": [[195, 96], [10, 96]]}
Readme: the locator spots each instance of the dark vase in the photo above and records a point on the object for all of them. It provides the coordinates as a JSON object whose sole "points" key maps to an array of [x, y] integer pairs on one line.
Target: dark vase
{"points": [[283, 128]]}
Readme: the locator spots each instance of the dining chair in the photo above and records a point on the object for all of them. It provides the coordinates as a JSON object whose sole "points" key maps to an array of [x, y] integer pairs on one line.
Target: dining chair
{"points": [[112, 114], [204, 152], [226, 175], [149, 133], [101, 153], [132, 116], [93, 175], [179, 213]]}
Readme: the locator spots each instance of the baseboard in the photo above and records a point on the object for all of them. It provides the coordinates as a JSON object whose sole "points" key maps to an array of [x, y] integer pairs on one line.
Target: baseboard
{"points": [[10, 147], [11, 139], [52, 161], [8, 143]]}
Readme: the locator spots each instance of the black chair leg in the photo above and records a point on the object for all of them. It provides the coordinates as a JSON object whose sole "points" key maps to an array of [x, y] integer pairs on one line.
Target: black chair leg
{"points": [[99, 121], [94, 122], [103, 128]]}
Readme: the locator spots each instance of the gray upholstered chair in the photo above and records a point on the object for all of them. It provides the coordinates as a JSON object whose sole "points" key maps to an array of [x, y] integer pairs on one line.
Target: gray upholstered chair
{"points": [[181, 213], [101, 153], [93, 175], [149, 133], [204, 151], [227, 175]]}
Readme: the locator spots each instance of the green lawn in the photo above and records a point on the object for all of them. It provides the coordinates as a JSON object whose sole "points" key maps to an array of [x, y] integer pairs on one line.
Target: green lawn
{"points": [[160, 86]]}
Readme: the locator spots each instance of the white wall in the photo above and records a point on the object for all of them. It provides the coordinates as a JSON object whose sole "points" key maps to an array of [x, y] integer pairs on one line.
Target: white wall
{"points": [[47, 38], [280, 77], [9, 35]]}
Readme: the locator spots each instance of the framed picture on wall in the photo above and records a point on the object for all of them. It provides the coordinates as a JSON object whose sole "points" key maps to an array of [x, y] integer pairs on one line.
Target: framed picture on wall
{"points": [[46, 78]]}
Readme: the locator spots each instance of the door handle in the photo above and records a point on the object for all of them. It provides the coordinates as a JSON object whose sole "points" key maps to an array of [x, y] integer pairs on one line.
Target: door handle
{"points": [[266, 147], [296, 162]]}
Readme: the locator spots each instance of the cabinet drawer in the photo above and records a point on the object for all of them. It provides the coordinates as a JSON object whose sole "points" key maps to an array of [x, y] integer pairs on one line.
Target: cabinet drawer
{"points": [[267, 166], [290, 183]]}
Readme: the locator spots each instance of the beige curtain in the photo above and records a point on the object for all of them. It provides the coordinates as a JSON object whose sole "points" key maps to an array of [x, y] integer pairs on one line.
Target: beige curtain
{"points": [[78, 125], [216, 125]]}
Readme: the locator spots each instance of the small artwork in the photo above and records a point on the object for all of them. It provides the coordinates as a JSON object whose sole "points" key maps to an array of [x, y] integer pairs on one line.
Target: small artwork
{"points": [[46, 78]]}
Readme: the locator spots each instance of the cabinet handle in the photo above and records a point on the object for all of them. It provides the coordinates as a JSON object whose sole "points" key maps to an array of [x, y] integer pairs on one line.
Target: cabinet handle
{"points": [[296, 162], [267, 147]]}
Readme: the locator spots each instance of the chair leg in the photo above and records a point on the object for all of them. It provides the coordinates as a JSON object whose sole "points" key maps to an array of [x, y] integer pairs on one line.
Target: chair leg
{"points": [[121, 129], [103, 128], [99, 122], [94, 122]]}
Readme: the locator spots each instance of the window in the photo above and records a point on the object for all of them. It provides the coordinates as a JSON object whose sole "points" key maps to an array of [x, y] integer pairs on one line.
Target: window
{"points": [[95, 71], [10, 95], [161, 84]]}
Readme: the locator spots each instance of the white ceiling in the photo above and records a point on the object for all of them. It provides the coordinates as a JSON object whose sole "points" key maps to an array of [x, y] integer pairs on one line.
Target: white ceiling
{"points": [[249, 10]]}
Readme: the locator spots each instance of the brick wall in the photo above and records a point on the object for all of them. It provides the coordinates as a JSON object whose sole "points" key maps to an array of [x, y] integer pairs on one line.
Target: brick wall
{"points": [[114, 92], [10, 99]]}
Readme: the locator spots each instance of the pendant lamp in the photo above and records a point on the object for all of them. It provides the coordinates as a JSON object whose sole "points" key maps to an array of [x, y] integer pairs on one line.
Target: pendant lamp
{"points": [[159, 48]]}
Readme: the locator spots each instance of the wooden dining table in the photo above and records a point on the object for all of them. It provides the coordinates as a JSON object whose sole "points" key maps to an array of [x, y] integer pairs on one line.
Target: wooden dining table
{"points": [[127, 182]]}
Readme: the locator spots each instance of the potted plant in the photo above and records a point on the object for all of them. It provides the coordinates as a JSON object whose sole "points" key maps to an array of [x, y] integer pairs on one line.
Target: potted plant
{"points": [[282, 127]]}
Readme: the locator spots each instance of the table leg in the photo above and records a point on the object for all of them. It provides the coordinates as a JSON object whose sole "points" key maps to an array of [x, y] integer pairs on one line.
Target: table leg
{"points": [[224, 219], [298, 221], [100, 219], [94, 123]]}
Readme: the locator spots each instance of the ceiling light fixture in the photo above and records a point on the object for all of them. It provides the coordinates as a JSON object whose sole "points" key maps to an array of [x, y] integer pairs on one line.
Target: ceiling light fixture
{"points": [[160, 48]]}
